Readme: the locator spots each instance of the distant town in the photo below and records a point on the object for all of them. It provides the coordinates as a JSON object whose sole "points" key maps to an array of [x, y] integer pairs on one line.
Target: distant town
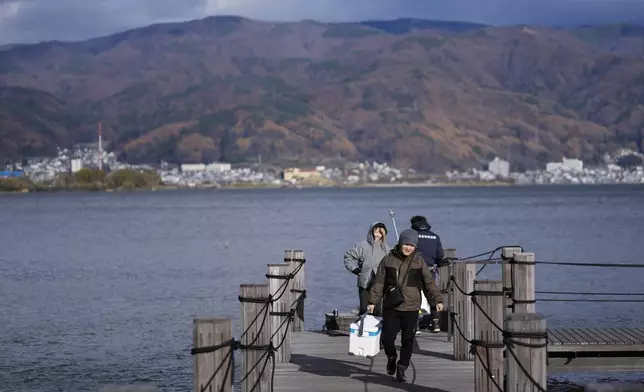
{"points": [[625, 166]]}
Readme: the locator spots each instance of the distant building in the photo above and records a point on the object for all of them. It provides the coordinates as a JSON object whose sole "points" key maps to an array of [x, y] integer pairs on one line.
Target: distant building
{"points": [[76, 164], [193, 167], [499, 168], [565, 165], [14, 173], [573, 164], [554, 166], [294, 173], [218, 167]]}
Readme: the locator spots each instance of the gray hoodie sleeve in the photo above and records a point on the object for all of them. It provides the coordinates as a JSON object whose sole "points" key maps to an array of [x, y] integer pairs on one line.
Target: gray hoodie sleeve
{"points": [[353, 259]]}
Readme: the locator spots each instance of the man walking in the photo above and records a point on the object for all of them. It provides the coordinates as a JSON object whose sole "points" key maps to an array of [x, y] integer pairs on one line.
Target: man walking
{"points": [[430, 247], [401, 276]]}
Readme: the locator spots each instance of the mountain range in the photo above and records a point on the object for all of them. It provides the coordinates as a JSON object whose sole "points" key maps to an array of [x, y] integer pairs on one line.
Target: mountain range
{"points": [[424, 94]]}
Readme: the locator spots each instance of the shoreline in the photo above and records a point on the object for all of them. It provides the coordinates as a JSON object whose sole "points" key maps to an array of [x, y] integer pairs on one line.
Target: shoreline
{"points": [[306, 186]]}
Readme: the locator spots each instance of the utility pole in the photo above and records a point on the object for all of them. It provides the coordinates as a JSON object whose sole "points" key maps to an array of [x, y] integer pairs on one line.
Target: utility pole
{"points": [[100, 146]]}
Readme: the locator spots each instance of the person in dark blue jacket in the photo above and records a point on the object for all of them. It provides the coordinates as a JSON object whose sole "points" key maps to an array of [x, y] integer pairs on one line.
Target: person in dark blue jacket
{"points": [[429, 243], [431, 249]]}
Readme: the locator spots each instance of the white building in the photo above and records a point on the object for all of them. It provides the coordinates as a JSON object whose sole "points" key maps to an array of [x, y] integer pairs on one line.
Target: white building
{"points": [[565, 165], [76, 164], [192, 167], [573, 164], [554, 166], [218, 167], [499, 168], [215, 167]]}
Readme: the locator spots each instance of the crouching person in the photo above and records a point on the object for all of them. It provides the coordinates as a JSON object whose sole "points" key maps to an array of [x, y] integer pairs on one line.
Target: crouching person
{"points": [[401, 276]]}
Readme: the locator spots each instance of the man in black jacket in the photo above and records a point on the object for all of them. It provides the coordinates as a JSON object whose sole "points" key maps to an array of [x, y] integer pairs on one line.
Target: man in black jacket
{"points": [[430, 247]]}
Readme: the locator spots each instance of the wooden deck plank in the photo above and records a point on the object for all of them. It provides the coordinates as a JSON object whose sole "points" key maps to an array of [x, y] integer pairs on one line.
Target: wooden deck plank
{"points": [[608, 338], [565, 338], [552, 339], [559, 339], [636, 332], [616, 337], [637, 338], [580, 336], [621, 339], [626, 337], [572, 339], [321, 363], [590, 337], [598, 339]]}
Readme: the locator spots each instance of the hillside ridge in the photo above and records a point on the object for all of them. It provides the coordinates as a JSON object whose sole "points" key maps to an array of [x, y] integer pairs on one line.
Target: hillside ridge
{"points": [[430, 95]]}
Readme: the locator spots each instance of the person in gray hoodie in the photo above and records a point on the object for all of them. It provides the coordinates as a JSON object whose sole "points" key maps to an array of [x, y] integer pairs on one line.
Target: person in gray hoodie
{"points": [[363, 260]]}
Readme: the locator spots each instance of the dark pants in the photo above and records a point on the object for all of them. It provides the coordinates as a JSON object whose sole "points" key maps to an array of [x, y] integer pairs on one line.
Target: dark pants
{"points": [[394, 322], [364, 301], [433, 313]]}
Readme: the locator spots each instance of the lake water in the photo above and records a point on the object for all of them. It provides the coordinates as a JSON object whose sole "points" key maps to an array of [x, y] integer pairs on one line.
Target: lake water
{"points": [[100, 288]]}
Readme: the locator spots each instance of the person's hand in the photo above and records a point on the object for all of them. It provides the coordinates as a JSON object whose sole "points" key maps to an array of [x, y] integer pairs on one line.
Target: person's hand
{"points": [[371, 308], [439, 307]]}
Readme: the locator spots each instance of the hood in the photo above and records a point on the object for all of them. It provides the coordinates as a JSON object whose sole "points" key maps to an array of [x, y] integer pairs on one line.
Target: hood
{"points": [[370, 232], [420, 224]]}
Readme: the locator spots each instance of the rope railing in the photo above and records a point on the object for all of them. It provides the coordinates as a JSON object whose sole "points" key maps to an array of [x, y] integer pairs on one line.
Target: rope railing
{"points": [[475, 338], [507, 343], [607, 294], [579, 264], [509, 339], [479, 257], [490, 255], [269, 349]]}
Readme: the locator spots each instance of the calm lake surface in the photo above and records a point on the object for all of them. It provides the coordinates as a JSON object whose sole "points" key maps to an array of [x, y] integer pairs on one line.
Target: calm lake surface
{"points": [[100, 288]]}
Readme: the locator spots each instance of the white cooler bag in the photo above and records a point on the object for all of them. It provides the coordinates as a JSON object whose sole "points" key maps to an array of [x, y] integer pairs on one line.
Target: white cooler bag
{"points": [[424, 305], [364, 336]]}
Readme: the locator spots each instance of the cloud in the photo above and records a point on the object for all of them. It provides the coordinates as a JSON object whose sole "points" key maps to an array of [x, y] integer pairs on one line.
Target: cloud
{"points": [[38, 20]]}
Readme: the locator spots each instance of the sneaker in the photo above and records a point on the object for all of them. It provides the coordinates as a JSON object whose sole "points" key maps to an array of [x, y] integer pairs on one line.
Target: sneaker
{"points": [[400, 373], [417, 332], [391, 366], [437, 327]]}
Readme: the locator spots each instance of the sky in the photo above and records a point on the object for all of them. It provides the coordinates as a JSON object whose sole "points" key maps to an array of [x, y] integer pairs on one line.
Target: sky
{"points": [[28, 21]]}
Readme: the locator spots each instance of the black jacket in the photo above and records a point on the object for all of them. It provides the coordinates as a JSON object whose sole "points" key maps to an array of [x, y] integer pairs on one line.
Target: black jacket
{"points": [[429, 243], [409, 273]]}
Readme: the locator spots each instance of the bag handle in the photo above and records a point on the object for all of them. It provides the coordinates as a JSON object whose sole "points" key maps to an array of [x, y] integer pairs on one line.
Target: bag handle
{"points": [[361, 325]]}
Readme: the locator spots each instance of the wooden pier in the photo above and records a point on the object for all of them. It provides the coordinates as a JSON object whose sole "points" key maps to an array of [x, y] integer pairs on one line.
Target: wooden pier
{"points": [[320, 362], [492, 340]]}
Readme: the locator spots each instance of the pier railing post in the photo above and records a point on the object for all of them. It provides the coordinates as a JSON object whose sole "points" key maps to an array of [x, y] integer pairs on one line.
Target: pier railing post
{"points": [[507, 253], [526, 346], [256, 337], [212, 371], [464, 275], [444, 274], [450, 302], [523, 276], [279, 286], [488, 318], [296, 257]]}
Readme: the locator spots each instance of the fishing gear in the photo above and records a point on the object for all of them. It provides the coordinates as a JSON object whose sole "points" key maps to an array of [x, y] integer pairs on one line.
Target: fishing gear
{"points": [[393, 221]]}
